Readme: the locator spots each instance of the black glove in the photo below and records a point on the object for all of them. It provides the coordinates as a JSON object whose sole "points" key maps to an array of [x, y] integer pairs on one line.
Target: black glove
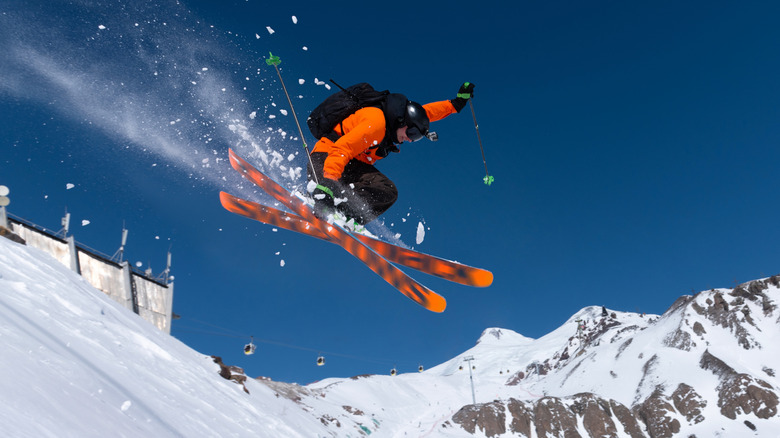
{"points": [[324, 195], [465, 93]]}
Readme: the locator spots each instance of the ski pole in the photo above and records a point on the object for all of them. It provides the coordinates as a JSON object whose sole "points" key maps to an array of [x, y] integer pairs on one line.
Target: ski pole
{"points": [[275, 61], [488, 179]]}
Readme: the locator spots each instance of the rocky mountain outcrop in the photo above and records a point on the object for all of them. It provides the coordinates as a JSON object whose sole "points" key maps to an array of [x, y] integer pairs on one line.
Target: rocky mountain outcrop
{"points": [[231, 372], [550, 416], [740, 393], [664, 406]]}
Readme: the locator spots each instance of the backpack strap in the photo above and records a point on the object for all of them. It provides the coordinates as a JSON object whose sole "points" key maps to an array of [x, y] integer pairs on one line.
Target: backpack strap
{"points": [[333, 135]]}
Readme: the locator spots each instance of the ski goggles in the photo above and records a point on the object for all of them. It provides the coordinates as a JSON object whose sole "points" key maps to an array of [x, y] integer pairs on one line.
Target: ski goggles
{"points": [[414, 133]]}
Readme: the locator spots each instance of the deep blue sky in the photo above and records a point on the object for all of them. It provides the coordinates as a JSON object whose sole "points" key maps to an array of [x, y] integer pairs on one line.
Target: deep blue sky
{"points": [[634, 148]]}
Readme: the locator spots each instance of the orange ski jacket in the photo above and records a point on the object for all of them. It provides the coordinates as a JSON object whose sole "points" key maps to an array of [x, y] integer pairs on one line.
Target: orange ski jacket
{"points": [[363, 130]]}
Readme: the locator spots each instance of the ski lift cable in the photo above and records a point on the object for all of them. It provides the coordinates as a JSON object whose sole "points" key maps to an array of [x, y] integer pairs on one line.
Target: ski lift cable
{"points": [[234, 334], [218, 327], [295, 347]]}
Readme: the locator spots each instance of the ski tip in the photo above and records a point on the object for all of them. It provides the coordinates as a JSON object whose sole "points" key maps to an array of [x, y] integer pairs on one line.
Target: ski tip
{"points": [[234, 159], [224, 198], [230, 202], [437, 306], [483, 278]]}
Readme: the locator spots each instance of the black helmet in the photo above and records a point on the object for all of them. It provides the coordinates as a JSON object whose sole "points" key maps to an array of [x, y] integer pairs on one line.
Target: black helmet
{"points": [[416, 121]]}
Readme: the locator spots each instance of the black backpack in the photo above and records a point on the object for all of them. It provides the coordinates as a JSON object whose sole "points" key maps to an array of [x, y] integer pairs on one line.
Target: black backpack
{"points": [[341, 105]]}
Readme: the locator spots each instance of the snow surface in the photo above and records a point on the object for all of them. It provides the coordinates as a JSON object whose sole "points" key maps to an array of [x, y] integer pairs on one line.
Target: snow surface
{"points": [[75, 363]]}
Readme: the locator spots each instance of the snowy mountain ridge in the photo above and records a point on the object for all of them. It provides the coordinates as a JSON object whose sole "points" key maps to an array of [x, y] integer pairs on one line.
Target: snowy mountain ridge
{"points": [[707, 367]]}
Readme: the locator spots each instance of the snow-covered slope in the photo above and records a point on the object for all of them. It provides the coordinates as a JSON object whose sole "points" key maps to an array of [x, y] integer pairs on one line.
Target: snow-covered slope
{"points": [[75, 363]]}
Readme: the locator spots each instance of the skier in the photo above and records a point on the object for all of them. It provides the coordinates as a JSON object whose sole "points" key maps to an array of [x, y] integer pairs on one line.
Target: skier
{"points": [[343, 161]]}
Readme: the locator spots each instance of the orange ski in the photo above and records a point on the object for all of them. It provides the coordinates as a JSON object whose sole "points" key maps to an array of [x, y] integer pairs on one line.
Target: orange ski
{"points": [[397, 278], [446, 269]]}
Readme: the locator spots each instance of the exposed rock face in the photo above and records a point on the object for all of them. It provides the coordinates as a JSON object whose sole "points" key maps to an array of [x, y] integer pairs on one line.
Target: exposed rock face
{"points": [[739, 393], [744, 394], [596, 414], [233, 373], [655, 413], [290, 391], [680, 339], [735, 314], [698, 328], [522, 417], [627, 420], [490, 418], [516, 378], [754, 291], [689, 403], [551, 416]]}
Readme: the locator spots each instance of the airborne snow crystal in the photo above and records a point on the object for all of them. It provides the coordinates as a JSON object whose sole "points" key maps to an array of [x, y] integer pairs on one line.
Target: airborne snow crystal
{"points": [[420, 232]]}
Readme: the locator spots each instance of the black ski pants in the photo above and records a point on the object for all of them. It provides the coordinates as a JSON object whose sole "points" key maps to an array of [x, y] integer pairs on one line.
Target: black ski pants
{"points": [[368, 191]]}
